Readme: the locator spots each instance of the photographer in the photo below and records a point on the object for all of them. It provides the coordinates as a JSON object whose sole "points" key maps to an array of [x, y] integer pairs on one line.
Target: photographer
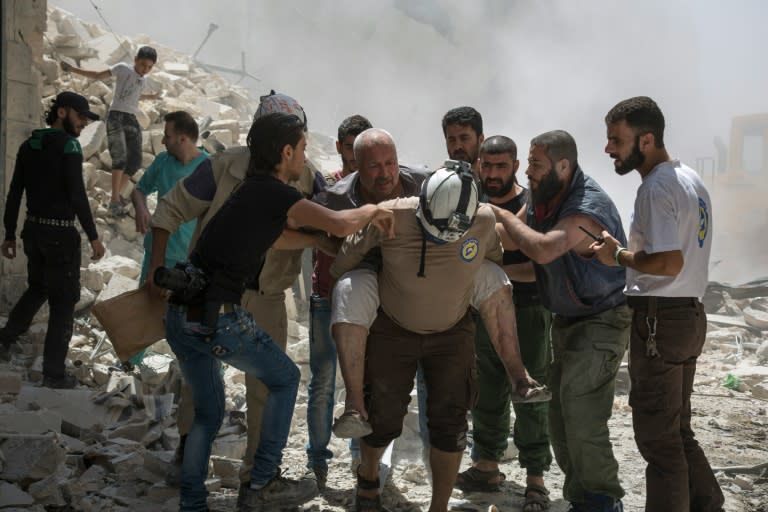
{"points": [[211, 326]]}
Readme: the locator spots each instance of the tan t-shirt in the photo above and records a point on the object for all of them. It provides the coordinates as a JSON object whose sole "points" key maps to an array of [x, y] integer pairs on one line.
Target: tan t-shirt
{"points": [[437, 301]]}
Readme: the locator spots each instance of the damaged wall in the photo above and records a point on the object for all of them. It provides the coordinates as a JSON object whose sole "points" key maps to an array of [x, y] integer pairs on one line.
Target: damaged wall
{"points": [[23, 26]]}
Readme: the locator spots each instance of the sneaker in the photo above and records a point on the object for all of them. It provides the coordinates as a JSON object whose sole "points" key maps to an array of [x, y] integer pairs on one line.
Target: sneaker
{"points": [[65, 382], [319, 475], [279, 493]]}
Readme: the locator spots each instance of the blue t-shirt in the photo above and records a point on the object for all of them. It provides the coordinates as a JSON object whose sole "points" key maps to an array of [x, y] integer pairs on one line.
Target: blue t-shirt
{"points": [[161, 177]]}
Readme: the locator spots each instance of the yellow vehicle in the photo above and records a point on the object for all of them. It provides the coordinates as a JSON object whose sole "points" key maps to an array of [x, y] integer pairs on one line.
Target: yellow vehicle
{"points": [[738, 185]]}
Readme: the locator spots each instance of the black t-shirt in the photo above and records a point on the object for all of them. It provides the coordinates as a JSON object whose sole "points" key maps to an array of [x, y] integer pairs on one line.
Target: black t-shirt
{"points": [[521, 291], [232, 246], [49, 168]]}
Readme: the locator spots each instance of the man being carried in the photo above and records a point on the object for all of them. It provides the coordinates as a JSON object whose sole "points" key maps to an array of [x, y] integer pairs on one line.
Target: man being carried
{"points": [[442, 238]]}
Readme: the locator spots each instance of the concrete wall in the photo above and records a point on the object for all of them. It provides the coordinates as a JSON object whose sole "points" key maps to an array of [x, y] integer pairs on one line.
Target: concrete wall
{"points": [[23, 26]]}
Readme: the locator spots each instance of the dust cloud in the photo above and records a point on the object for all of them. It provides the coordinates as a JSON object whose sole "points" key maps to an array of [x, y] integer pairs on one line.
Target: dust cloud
{"points": [[526, 66]]}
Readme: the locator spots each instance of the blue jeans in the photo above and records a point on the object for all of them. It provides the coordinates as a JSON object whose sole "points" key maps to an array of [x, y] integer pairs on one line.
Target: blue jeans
{"points": [[322, 385], [238, 342]]}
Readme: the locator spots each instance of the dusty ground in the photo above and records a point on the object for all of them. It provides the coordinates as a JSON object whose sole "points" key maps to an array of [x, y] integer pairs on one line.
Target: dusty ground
{"points": [[730, 426]]}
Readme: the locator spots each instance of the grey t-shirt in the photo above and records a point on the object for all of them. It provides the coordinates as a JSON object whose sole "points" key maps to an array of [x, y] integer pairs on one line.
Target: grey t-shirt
{"points": [[128, 88]]}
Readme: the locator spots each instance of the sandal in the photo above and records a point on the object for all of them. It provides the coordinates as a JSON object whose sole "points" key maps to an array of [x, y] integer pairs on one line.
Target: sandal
{"points": [[540, 498], [477, 480], [368, 503], [351, 425]]}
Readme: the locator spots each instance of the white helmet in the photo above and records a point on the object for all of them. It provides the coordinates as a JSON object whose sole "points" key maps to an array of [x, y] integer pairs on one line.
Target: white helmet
{"points": [[448, 201]]}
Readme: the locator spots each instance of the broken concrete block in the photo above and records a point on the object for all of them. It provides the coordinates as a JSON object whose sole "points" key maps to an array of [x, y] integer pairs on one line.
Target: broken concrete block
{"points": [[73, 405], [106, 162], [160, 493], [170, 438], [92, 138], [143, 119], [92, 278], [159, 462], [50, 68], [28, 422], [226, 124], [118, 284], [12, 496], [87, 298], [756, 318], [98, 89], [751, 375], [156, 141], [134, 430], [104, 46], [10, 382], [227, 470], [126, 465], [71, 25], [760, 390], [100, 373], [230, 446], [176, 68], [125, 384], [28, 460], [223, 136], [48, 492], [762, 353], [126, 227], [120, 247], [212, 484], [72, 444], [154, 368]]}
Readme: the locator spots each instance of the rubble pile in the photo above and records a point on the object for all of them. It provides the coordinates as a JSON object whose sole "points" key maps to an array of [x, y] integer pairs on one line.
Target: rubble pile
{"points": [[738, 318]]}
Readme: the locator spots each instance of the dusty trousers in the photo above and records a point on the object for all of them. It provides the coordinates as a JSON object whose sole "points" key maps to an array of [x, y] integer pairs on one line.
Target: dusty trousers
{"points": [[678, 476], [587, 354]]}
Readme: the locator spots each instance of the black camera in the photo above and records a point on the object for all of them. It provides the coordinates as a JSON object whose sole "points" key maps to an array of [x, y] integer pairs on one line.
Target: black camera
{"points": [[186, 281]]}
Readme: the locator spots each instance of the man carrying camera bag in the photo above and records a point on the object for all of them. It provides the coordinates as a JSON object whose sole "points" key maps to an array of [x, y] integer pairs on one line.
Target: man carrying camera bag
{"points": [[205, 323]]}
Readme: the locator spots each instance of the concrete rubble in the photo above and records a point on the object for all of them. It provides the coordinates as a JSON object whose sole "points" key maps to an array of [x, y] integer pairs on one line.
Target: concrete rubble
{"points": [[109, 443]]}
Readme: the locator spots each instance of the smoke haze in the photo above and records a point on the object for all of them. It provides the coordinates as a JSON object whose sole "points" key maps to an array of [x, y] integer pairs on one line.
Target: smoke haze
{"points": [[528, 67]]}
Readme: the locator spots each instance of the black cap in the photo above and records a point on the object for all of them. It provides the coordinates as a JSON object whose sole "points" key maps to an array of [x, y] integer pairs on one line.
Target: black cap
{"points": [[76, 102]]}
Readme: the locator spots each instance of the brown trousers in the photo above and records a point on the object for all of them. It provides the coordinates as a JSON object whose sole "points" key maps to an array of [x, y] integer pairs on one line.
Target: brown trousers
{"points": [[678, 476]]}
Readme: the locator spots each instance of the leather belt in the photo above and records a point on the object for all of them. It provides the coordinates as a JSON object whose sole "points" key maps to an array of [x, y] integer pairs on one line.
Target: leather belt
{"points": [[61, 223], [643, 301]]}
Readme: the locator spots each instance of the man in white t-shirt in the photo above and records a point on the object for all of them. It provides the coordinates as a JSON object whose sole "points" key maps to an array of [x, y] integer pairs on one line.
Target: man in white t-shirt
{"points": [[123, 130], [667, 264]]}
